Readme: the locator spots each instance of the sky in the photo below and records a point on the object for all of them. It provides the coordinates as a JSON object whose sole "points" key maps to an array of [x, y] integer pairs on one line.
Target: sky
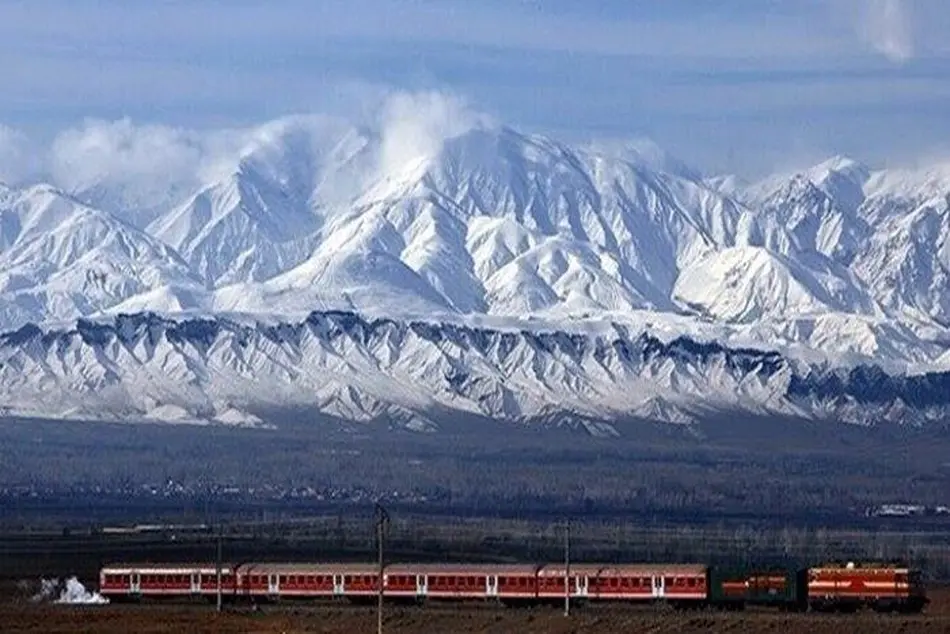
{"points": [[744, 86]]}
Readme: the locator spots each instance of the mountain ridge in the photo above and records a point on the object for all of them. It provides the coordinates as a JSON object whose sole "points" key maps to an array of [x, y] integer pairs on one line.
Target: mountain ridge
{"points": [[833, 268], [145, 366]]}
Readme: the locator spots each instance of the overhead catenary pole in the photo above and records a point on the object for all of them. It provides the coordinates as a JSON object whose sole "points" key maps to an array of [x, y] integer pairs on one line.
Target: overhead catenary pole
{"points": [[382, 517], [218, 568], [567, 567]]}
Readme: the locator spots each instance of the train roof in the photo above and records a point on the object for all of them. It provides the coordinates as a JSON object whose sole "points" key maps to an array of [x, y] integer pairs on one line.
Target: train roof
{"points": [[308, 568], [166, 568], [462, 568], [555, 570], [623, 570], [865, 570]]}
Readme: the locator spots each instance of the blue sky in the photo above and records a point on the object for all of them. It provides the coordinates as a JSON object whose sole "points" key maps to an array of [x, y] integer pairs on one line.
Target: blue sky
{"points": [[739, 85]]}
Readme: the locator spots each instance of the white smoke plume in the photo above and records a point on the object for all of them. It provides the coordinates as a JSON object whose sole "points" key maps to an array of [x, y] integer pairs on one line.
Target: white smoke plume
{"points": [[70, 592], [887, 27]]}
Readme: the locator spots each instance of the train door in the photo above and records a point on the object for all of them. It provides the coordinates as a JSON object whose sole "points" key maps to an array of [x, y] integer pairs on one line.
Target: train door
{"points": [[195, 583], [580, 586], [659, 587], [135, 583], [273, 584], [491, 586], [422, 585], [338, 589]]}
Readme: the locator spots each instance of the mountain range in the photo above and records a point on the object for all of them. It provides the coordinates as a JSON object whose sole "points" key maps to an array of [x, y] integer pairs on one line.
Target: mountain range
{"points": [[495, 273]]}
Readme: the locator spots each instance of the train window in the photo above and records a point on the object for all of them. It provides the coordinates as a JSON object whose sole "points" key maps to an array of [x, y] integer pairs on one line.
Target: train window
{"points": [[691, 582]]}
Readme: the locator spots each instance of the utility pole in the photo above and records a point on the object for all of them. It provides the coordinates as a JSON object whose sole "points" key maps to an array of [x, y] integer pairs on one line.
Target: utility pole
{"points": [[218, 566], [382, 518], [567, 567]]}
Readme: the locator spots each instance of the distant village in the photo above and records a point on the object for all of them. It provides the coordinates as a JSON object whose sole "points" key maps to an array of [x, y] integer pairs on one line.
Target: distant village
{"points": [[907, 510]]}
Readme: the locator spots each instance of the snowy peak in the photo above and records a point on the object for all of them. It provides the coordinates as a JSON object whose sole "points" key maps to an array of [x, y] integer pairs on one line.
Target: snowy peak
{"points": [[508, 224], [495, 272], [60, 257]]}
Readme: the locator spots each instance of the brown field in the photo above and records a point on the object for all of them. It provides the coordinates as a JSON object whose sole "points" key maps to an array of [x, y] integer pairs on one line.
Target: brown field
{"points": [[446, 619]]}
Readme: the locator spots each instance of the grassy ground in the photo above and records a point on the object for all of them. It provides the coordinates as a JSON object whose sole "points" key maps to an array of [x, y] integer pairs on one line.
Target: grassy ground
{"points": [[441, 619]]}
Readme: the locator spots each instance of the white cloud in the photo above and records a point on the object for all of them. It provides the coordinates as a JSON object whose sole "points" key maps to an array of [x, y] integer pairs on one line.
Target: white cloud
{"points": [[886, 26], [19, 158], [138, 169], [120, 151], [415, 125]]}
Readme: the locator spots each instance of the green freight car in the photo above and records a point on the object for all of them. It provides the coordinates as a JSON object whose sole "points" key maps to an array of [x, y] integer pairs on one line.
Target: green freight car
{"points": [[783, 588]]}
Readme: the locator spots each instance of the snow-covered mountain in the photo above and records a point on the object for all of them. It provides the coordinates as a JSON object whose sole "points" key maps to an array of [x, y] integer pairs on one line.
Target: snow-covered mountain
{"points": [[492, 272]]}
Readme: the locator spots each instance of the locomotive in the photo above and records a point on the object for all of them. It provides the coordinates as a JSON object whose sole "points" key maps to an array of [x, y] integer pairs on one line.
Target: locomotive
{"points": [[832, 587]]}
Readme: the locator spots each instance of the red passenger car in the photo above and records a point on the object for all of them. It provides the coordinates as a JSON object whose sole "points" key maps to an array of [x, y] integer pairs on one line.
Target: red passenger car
{"points": [[136, 581], [461, 581], [680, 583], [306, 580]]}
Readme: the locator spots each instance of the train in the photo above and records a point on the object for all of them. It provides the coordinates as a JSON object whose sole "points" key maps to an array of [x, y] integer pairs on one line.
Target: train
{"points": [[827, 588]]}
